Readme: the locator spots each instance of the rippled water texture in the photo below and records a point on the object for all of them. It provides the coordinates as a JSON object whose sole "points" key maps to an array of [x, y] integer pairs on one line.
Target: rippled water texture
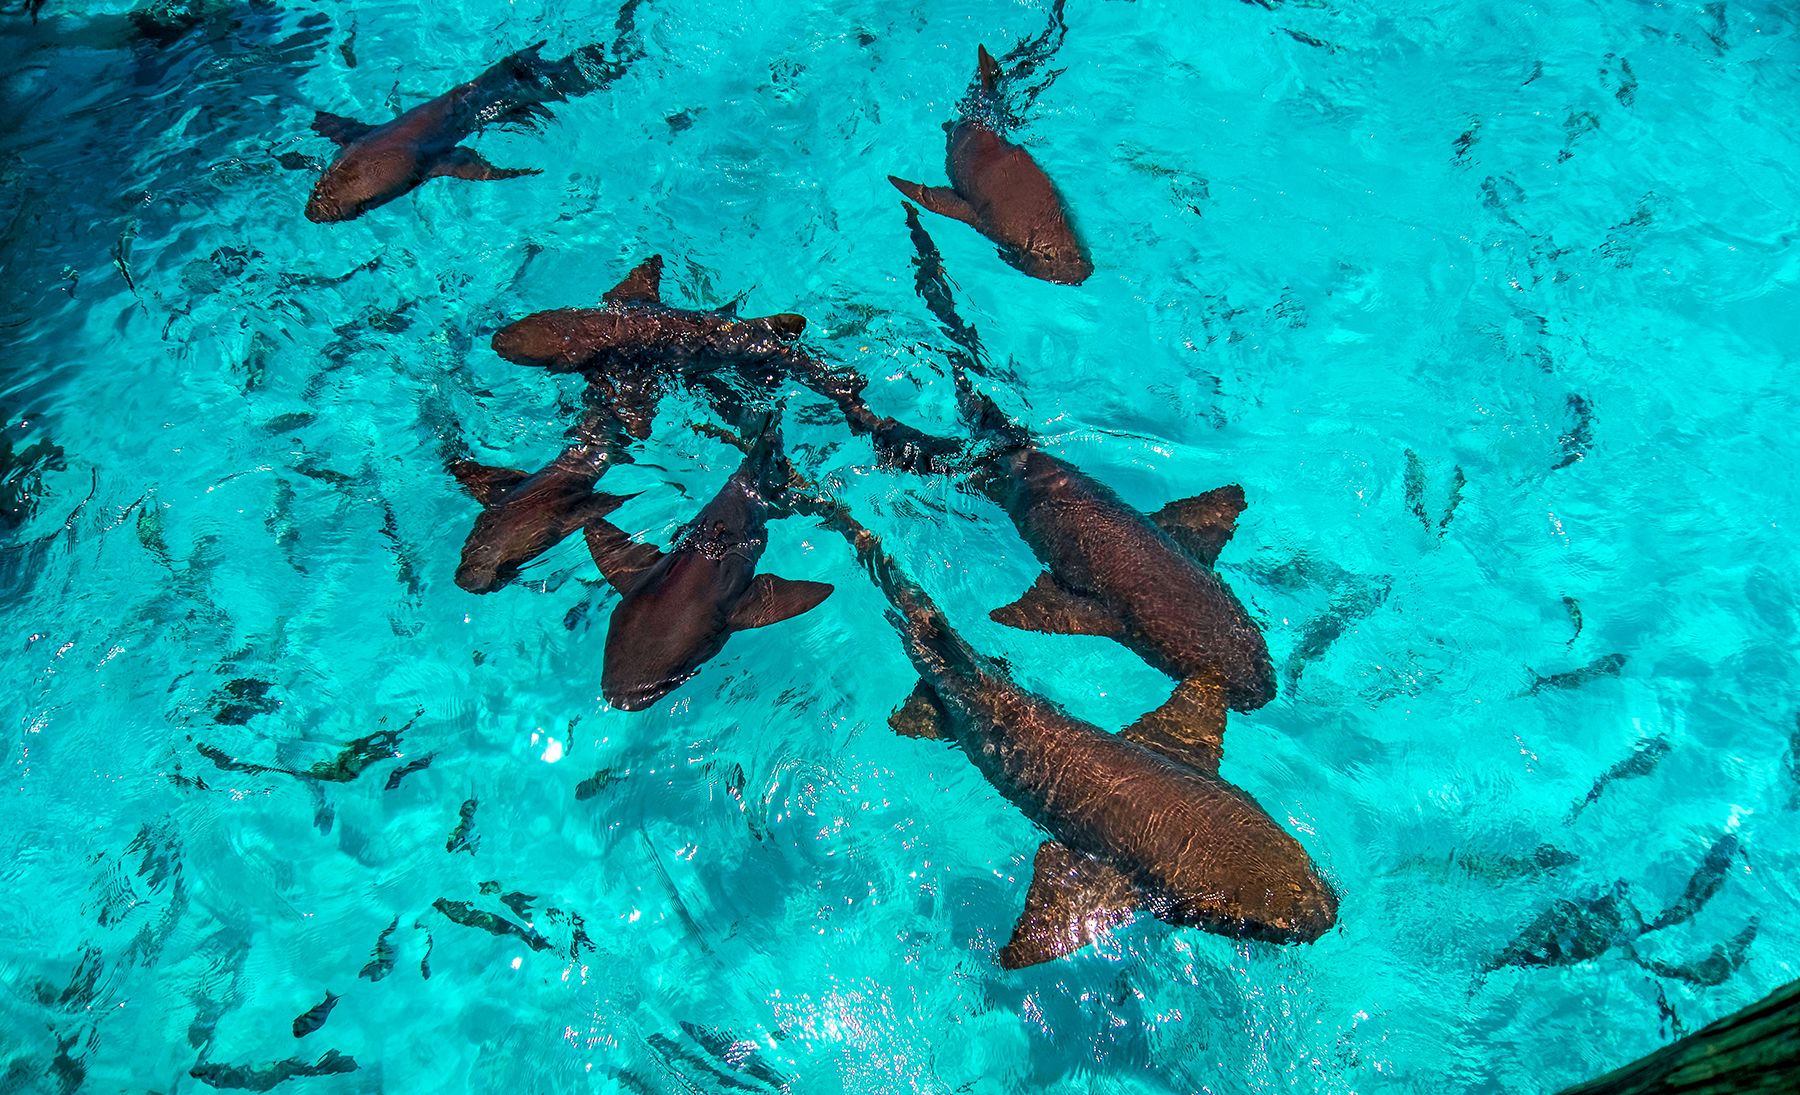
{"points": [[1489, 307]]}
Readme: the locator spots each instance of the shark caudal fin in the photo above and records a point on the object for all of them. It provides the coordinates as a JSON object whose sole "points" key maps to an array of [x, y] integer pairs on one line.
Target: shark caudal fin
{"points": [[987, 70]]}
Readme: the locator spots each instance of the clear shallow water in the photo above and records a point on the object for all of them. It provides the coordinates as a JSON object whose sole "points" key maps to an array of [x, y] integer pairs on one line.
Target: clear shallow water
{"points": [[1325, 238]]}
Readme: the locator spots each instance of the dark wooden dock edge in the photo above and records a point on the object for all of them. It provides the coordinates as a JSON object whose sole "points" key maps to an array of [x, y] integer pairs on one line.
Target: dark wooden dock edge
{"points": [[1754, 1050]]}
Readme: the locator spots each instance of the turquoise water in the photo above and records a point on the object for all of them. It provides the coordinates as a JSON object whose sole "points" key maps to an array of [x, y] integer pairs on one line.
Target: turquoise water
{"points": [[1349, 257]]}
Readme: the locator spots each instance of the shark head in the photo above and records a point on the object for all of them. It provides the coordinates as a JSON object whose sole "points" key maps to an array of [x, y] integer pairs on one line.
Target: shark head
{"points": [[1062, 261], [358, 182]]}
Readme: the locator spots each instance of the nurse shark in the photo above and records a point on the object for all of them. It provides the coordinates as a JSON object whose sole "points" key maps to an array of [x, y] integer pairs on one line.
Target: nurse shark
{"points": [[1137, 820], [525, 514], [1000, 191], [632, 345], [679, 607], [377, 163]]}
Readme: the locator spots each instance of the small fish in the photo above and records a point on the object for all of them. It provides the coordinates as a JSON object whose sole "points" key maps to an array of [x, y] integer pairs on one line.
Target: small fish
{"points": [[1642, 761], [1792, 765], [461, 912], [463, 838], [594, 784], [1574, 444], [425, 960], [1607, 666], [1573, 608], [408, 769], [382, 963], [265, 1077], [316, 1015], [1716, 968], [1705, 882]]}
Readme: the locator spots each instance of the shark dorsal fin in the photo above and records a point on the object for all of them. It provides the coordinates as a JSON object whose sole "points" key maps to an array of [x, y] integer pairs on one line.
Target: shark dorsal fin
{"points": [[770, 600], [622, 560], [786, 326], [921, 716], [487, 485], [642, 286], [338, 129], [1204, 523], [1047, 606], [1073, 898], [1189, 728]]}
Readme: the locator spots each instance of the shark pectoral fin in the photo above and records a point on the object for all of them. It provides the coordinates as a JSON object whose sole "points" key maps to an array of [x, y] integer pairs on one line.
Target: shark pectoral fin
{"points": [[338, 129], [786, 326], [1204, 523], [466, 163], [622, 560], [770, 600], [1050, 608], [642, 286], [487, 485], [1189, 728], [921, 716], [941, 200], [592, 508], [1073, 898]]}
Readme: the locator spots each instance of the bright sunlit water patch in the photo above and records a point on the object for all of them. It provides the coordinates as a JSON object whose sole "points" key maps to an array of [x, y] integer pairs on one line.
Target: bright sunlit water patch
{"points": [[1490, 308]]}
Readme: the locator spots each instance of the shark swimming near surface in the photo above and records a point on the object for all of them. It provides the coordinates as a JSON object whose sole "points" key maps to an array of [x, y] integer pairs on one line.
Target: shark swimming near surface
{"points": [[525, 514], [1137, 820], [679, 607], [377, 163], [634, 345], [1000, 191], [1145, 580]]}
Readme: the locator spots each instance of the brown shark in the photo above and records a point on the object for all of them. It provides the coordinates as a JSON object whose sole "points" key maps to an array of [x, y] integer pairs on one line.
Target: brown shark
{"points": [[1137, 820], [525, 514], [378, 163], [1000, 191], [634, 345], [679, 607], [1145, 580]]}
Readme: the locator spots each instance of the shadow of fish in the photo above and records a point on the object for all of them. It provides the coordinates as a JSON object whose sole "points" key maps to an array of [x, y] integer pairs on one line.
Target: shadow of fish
{"points": [[678, 608], [1000, 191], [1138, 819]]}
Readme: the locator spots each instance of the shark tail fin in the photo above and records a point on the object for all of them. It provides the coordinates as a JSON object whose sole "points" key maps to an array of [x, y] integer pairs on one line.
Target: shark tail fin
{"points": [[987, 70]]}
